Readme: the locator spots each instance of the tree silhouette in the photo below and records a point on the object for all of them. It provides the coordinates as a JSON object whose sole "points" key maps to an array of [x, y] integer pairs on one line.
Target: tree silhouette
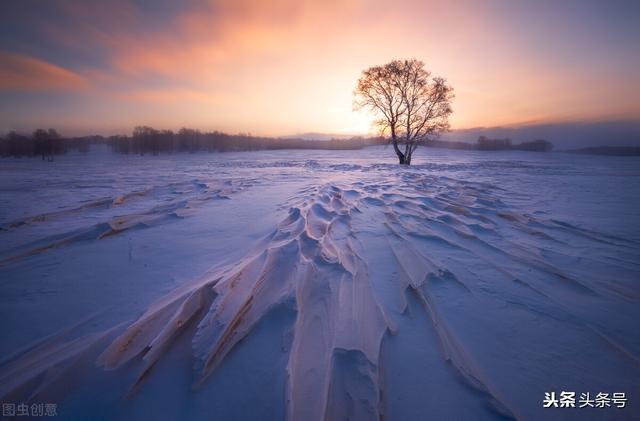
{"points": [[410, 105], [486, 144], [47, 143]]}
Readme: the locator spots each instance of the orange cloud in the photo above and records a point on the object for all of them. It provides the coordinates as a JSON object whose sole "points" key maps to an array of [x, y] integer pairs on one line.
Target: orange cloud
{"points": [[286, 66], [24, 73]]}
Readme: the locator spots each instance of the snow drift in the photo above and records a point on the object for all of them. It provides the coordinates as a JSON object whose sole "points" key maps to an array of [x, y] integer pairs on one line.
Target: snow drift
{"points": [[389, 293]]}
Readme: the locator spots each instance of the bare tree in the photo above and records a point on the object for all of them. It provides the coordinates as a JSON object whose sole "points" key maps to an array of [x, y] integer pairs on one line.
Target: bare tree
{"points": [[48, 143], [410, 105]]}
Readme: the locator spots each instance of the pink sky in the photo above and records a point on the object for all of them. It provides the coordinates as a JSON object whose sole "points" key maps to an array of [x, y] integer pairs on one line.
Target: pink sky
{"points": [[287, 67]]}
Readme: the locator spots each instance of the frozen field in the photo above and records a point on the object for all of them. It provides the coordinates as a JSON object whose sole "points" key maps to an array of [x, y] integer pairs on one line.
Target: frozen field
{"points": [[320, 285]]}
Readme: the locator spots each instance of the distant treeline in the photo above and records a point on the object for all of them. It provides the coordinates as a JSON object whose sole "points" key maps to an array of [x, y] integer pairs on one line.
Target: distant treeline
{"points": [[487, 144], [41, 143], [147, 140]]}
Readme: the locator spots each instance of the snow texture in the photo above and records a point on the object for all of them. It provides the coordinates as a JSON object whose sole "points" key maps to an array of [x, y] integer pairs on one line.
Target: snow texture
{"points": [[312, 285]]}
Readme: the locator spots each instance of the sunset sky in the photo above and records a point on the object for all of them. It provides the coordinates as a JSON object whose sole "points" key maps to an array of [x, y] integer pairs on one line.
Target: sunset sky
{"points": [[285, 67]]}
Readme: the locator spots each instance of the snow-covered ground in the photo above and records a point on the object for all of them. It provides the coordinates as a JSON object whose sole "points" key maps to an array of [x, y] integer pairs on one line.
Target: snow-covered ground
{"points": [[320, 285]]}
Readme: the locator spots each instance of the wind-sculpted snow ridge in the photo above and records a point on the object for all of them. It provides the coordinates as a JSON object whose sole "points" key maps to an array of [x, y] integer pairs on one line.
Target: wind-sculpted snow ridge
{"points": [[393, 273], [310, 262], [454, 248], [132, 210]]}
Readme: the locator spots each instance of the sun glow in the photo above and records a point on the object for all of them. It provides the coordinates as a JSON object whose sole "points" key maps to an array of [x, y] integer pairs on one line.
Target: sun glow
{"points": [[285, 68]]}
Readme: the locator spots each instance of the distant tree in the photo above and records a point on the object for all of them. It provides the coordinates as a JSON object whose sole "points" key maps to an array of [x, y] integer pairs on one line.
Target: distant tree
{"points": [[538, 145], [410, 105], [55, 144], [47, 143], [143, 139], [487, 144], [41, 137], [188, 139], [17, 145]]}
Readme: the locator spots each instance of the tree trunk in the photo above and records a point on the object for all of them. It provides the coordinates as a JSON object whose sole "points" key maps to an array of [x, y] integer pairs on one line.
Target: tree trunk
{"points": [[405, 158], [409, 154], [394, 141]]}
